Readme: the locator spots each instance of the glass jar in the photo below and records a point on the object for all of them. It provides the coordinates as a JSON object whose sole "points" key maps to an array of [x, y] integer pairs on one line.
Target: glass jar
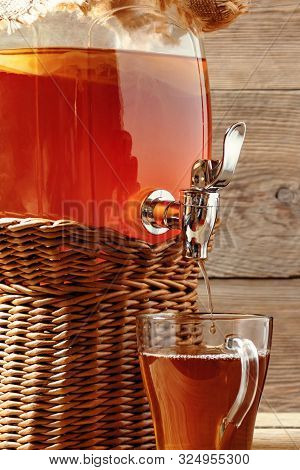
{"points": [[98, 110]]}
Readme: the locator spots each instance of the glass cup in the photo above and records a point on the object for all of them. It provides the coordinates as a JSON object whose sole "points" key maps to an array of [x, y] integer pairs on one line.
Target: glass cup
{"points": [[204, 377]]}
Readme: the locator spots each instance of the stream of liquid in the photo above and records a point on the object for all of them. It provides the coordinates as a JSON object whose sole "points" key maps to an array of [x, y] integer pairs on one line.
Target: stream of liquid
{"points": [[209, 295]]}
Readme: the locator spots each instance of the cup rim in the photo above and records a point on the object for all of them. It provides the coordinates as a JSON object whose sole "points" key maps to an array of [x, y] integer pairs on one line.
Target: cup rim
{"points": [[165, 316]]}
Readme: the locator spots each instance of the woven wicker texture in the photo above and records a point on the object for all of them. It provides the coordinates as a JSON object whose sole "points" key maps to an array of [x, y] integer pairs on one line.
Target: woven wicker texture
{"points": [[69, 295]]}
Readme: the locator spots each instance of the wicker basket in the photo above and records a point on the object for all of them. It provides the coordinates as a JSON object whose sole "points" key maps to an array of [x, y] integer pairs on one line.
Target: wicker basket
{"points": [[69, 371]]}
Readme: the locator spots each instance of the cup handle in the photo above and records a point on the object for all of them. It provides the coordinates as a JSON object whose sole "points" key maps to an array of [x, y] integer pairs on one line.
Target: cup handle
{"points": [[249, 380]]}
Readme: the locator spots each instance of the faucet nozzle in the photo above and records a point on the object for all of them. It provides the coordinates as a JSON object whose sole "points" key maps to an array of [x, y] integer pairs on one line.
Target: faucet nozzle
{"points": [[195, 215], [197, 211]]}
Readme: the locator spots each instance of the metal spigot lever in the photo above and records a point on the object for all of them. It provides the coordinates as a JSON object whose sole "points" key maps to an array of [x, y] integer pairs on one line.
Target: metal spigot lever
{"points": [[217, 174], [233, 144], [197, 211]]}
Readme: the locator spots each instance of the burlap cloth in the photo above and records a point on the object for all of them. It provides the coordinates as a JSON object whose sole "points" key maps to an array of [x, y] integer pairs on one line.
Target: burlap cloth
{"points": [[199, 15]]}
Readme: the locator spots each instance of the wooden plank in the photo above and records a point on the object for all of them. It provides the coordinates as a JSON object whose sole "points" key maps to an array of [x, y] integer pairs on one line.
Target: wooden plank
{"points": [[277, 439], [277, 431], [260, 235], [281, 299], [278, 420], [259, 50], [263, 4], [278, 297]]}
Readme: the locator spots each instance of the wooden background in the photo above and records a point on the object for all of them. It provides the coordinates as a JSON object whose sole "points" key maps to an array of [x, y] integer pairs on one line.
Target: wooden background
{"points": [[255, 76]]}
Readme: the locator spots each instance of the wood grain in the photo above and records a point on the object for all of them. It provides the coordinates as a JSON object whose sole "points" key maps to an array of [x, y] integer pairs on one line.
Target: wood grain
{"points": [[281, 299], [276, 439], [279, 420], [277, 431], [259, 51], [260, 235]]}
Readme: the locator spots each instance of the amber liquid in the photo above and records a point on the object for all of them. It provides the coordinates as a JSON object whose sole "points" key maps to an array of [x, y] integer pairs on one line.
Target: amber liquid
{"points": [[191, 394], [85, 132]]}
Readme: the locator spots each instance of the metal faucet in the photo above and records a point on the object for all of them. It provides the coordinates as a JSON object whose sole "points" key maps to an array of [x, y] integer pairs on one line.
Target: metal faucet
{"points": [[197, 211]]}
